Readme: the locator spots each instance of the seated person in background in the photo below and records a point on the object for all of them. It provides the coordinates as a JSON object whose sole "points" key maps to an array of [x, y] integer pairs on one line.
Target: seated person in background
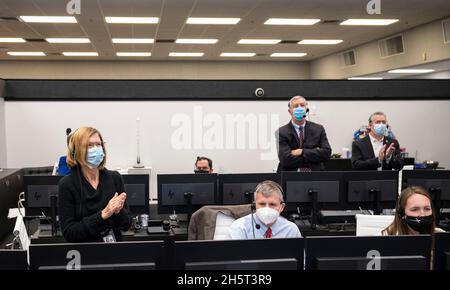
{"points": [[376, 151], [267, 222], [63, 168], [413, 214], [92, 202], [203, 165]]}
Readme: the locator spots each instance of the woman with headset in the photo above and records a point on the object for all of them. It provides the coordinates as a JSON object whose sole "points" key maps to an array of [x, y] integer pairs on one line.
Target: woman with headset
{"points": [[92, 199], [413, 214]]}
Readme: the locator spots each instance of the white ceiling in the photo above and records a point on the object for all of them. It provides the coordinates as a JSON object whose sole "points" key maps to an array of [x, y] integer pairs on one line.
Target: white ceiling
{"points": [[173, 15]]}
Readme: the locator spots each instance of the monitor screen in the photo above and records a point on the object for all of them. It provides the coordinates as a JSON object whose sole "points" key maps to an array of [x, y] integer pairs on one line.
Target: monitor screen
{"points": [[441, 251], [173, 190], [298, 188], [240, 188], [144, 255], [429, 179], [13, 259], [368, 253], [137, 189], [240, 254], [363, 186], [38, 189]]}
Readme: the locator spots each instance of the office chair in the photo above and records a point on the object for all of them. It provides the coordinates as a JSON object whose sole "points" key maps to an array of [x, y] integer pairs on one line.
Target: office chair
{"points": [[372, 225]]}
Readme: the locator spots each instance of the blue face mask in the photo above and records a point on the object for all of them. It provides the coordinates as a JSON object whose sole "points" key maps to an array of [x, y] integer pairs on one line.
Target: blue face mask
{"points": [[380, 129], [299, 113], [95, 156]]}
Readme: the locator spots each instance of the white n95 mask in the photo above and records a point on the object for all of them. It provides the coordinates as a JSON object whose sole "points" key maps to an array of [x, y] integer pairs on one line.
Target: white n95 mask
{"points": [[267, 215]]}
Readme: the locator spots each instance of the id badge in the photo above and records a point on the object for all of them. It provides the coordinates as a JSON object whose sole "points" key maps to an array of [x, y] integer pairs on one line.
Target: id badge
{"points": [[109, 237]]}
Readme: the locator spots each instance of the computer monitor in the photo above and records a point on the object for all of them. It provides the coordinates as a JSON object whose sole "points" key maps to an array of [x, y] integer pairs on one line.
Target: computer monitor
{"points": [[368, 253], [137, 189], [338, 164], [185, 193], [436, 182], [311, 191], [13, 259], [262, 254], [38, 192], [240, 188], [441, 255], [376, 190], [143, 255]]}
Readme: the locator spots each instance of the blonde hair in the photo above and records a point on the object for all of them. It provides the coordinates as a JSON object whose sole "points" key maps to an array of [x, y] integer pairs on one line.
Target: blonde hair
{"points": [[78, 147], [399, 226]]}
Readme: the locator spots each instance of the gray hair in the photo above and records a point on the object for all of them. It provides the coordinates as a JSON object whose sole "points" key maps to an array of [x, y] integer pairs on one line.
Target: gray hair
{"points": [[376, 114], [268, 188], [295, 98]]}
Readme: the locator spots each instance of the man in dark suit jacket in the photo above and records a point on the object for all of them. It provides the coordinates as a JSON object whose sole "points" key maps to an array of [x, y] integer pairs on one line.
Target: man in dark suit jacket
{"points": [[305, 152], [376, 151]]}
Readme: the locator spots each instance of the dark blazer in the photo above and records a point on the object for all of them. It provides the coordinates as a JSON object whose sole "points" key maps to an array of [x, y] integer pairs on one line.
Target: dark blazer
{"points": [[316, 148], [363, 157], [80, 206]]}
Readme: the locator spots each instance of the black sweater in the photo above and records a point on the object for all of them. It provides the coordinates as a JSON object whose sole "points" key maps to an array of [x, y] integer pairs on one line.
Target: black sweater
{"points": [[80, 206]]}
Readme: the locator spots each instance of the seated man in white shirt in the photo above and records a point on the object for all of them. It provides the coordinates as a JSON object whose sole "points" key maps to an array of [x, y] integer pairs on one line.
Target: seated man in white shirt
{"points": [[377, 151], [266, 222]]}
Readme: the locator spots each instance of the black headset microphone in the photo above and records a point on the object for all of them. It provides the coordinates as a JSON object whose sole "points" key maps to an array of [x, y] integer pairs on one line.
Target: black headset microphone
{"points": [[254, 223]]}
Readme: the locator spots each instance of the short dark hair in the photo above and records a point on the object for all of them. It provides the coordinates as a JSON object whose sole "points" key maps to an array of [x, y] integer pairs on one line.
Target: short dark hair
{"points": [[200, 158]]}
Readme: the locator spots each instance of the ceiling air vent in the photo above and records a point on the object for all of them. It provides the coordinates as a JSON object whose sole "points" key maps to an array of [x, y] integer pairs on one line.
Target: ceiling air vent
{"points": [[446, 30], [347, 58], [391, 46]]}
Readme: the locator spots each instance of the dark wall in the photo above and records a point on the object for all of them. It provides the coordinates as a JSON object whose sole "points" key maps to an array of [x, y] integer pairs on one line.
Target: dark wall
{"points": [[17, 90], [2, 87]]}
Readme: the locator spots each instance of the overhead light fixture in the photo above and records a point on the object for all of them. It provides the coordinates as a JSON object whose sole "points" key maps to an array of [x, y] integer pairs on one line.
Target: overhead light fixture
{"points": [[26, 53], [68, 40], [187, 54], [237, 54], [259, 41], [320, 41], [411, 71], [141, 54], [133, 40], [196, 40], [11, 39], [290, 21], [369, 22], [210, 20], [131, 20], [288, 54], [365, 78], [48, 19], [80, 53]]}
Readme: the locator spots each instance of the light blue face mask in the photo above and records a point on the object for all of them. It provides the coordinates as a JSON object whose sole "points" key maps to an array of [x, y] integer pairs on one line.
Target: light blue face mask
{"points": [[299, 113], [380, 129], [95, 156]]}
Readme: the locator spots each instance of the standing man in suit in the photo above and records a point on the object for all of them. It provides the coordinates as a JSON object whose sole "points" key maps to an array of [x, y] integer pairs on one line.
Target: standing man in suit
{"points": [[302, 145], [376, 151]]}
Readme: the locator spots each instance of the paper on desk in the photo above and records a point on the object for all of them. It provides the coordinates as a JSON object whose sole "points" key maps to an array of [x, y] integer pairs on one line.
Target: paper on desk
{"points": [[20, 231], [14, 212]]}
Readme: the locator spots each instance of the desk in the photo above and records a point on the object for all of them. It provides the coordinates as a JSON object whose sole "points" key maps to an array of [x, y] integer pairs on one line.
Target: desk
{"points": [[42, 235], [335, 229]]}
